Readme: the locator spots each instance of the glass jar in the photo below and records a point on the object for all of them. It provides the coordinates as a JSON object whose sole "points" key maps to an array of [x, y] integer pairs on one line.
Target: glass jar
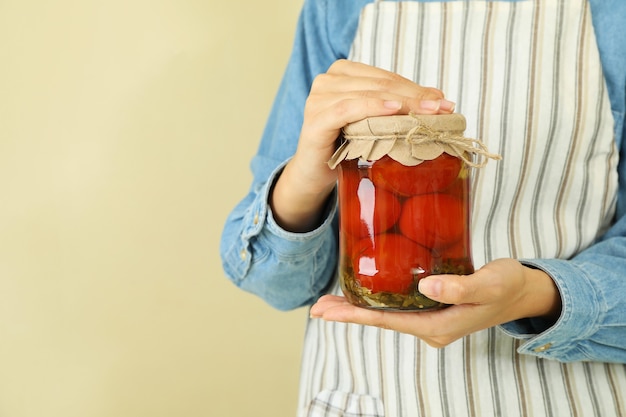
{"points": [[404, 208]]}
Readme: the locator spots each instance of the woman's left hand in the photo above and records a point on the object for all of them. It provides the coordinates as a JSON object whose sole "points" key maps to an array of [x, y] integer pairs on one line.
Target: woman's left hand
{"points": [[501, 291]]}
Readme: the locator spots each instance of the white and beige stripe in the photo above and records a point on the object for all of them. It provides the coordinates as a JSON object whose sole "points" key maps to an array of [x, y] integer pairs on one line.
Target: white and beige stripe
{"points": [[527, 76]]}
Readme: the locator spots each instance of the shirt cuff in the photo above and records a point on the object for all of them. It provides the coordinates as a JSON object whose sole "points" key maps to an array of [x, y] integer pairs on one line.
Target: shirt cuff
{"points": [[581, 313], [275, 234], [261, 223]]}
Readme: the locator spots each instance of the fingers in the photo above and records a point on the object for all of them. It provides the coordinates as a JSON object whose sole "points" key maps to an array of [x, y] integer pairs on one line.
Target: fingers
{"points": [[452, 289], [348, 82], [330, 111], [484, 286], [361, 76], [329, 90], [357, 105], [436, 328], [385, 83], [335, 308], [334, 112]]}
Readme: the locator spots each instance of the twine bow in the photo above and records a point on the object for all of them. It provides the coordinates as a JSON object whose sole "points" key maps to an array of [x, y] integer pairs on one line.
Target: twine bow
{"points": [[423, 135]]}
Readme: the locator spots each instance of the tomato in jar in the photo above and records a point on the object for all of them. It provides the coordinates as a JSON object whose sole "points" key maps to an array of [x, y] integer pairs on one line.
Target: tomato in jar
{"points": [[389, 262], [433, 220], [364, 209], [430, 177]]}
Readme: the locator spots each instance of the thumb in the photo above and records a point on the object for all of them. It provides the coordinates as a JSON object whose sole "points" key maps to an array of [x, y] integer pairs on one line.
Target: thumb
{"points": [[450, 289]]}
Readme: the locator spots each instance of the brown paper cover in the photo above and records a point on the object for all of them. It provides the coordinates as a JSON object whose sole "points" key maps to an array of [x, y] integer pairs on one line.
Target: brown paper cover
{"points": [[408, 139]]}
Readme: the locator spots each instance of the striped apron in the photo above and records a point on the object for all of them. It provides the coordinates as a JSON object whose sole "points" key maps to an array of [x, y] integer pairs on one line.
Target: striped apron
{"points": [[528, 78]]}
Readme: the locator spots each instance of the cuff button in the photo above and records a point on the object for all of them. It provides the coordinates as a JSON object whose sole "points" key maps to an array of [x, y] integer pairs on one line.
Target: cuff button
{"points": [[543, 348]]}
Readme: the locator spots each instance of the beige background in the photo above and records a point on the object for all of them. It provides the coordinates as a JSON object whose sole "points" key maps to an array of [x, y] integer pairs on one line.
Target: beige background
{"points": [[126, 128]]}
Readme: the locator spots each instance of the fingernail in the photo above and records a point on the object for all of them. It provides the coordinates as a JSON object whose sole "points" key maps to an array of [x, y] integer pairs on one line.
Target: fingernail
{"points": [[430, 287], [391, 104], [447, 105], [431, 105]]}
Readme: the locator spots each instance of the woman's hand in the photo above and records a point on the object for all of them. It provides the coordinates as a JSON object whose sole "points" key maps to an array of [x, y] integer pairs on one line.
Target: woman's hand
{"points": [[501, 291], [346, 93]]}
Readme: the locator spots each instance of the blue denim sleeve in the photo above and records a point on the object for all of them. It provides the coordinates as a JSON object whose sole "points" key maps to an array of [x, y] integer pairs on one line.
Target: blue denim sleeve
{"points": [[285, 269], [289, 270], [592, 325]]}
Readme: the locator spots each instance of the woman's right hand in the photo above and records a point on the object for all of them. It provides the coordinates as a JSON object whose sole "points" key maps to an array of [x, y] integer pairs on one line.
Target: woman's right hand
{"points": [[346, 93]]}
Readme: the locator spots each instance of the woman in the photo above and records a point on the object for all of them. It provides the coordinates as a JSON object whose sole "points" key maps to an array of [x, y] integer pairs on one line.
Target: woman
{"points": [[540, 328]]}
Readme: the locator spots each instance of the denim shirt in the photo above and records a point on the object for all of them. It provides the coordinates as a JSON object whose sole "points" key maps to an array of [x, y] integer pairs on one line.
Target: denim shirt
{"points": [[290, 270]]}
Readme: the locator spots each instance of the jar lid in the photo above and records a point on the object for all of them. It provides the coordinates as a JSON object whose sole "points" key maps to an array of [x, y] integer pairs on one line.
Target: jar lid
{"points": [[408, 139]]}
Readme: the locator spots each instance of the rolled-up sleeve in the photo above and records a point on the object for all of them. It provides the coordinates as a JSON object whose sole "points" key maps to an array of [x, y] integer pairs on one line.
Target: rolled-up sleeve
{"points": [[286, 269], [592, 324]]}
